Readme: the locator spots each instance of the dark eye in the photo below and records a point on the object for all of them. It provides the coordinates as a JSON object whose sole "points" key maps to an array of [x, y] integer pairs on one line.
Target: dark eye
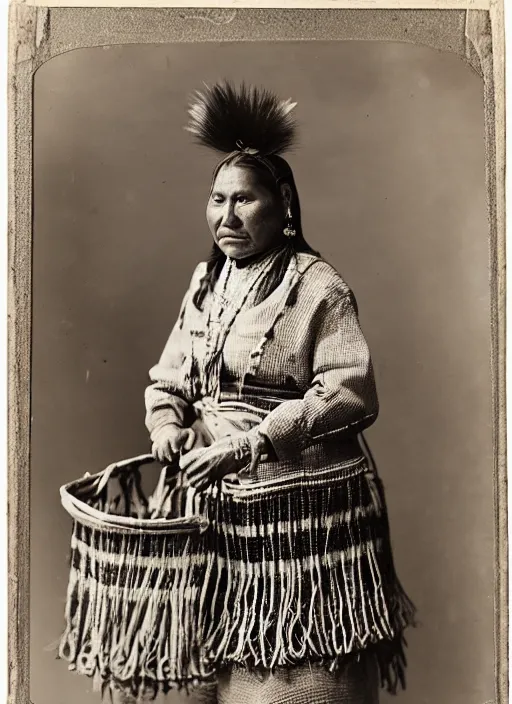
{"points": [[242, 199]]}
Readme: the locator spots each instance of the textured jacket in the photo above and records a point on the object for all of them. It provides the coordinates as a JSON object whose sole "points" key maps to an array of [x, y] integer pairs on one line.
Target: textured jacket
{"points": [[299, 354]]}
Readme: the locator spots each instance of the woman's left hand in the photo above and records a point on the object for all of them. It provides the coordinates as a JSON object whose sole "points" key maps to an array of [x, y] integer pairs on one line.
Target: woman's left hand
{"points": [[203, 466]]}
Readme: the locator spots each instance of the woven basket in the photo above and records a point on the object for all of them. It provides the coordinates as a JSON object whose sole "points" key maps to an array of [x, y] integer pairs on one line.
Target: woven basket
{"points": [[137, 577]]}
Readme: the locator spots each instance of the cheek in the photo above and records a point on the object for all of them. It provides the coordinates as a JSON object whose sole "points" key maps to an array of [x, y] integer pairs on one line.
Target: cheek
{"points": [[211, 218], [263, 223]]}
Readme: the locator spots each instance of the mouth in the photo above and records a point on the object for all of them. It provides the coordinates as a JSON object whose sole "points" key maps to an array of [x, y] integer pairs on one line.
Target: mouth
{"points": [[232, 236]]}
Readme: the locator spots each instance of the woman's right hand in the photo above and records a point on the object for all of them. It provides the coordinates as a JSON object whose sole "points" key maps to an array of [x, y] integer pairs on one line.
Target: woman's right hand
{"points": [[170, 441]]}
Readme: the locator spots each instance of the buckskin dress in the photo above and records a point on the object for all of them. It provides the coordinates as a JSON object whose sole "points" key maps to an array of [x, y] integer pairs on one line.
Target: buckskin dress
{"points": [[305, 605]]}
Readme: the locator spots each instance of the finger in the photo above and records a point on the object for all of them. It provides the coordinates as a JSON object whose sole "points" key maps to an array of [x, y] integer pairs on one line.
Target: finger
{"points": [[193, 469], [185, 462], [189, 440], [200, 480], [155, 451], [251, 472], [256, 456], [189, 458], [196, 470], [175, 443], [253, 467], [170, 452]]}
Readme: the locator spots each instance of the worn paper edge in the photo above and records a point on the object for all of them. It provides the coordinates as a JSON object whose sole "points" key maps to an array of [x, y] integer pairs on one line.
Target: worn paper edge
{"points": [[29, 46], [282, 4]]}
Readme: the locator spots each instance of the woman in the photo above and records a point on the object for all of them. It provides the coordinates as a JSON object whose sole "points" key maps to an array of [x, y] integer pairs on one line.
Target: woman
{"points": [[262, 391]]}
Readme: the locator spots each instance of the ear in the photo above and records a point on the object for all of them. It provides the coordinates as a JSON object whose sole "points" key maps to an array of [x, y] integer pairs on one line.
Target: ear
{"points": [[286, 194]]}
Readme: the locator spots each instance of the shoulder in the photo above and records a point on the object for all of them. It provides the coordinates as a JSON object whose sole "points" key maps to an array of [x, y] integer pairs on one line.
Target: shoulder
{"points": [[320, 277], [198, 274]]}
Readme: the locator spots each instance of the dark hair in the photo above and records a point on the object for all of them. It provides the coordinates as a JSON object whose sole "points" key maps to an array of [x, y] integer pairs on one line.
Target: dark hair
{"points": [[273, 171]]}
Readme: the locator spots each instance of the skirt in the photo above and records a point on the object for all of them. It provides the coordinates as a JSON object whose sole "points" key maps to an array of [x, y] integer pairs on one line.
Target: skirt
{"points": [[301, 602], [304, 574], [294, 579], [356, 683]]}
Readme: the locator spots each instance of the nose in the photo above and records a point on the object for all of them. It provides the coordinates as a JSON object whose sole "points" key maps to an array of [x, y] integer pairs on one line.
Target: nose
{"points": [[229, 217]]}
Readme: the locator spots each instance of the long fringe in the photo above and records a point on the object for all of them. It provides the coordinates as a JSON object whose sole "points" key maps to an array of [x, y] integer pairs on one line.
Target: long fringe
{"points": [[318, 564], [301, 573], [131, 610], [132, 621]]}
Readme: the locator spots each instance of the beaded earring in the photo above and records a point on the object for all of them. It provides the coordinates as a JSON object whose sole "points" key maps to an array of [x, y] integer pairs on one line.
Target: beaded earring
{"points": [[288, 230]]}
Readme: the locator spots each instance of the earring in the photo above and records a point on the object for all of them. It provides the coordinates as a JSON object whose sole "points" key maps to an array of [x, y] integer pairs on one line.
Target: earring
{"points": [[288, 230]]}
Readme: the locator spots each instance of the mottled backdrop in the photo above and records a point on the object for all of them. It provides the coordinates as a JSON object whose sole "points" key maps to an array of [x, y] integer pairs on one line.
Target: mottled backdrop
{"points": [[391, 175]]}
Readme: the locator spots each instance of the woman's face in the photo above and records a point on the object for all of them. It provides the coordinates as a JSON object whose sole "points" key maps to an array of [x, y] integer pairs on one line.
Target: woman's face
{"points": [[244, 217]]}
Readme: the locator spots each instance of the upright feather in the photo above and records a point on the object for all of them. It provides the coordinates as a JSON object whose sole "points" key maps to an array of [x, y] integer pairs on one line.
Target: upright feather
{"points": [[248, 119]]}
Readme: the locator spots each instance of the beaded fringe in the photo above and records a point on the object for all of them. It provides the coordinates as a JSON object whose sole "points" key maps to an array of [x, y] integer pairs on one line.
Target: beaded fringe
{"points": [[131, 610], [131, 616], [306, 575], [285, 575]]}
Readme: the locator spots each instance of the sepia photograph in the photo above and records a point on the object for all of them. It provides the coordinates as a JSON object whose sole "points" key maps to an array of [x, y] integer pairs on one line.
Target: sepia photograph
{"points": [[262, 388]]}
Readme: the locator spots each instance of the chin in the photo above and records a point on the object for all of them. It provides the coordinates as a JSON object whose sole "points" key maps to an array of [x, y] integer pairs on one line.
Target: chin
{"points": [[236, 251]]}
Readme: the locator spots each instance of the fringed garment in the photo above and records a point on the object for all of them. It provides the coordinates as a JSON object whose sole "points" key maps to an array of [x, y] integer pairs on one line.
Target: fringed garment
{"points": [[304, 568], [296, 568], [135, 581], [304, 574]]}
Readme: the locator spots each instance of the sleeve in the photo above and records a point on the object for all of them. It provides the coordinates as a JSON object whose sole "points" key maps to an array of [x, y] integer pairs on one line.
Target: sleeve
{"points": [[342, 398], [169, 395]]}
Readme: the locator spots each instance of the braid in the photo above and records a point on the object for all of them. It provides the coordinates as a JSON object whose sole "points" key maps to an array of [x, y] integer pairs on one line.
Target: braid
{"points": [[214, 266], [217, 258]]}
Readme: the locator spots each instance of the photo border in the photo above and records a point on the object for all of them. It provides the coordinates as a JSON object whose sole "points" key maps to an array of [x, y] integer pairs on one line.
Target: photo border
{"points": [[39, 31]]}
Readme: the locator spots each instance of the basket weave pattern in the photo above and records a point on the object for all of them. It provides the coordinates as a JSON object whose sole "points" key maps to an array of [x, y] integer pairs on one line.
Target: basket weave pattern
{"points": [[136, 574], [166, 590]]}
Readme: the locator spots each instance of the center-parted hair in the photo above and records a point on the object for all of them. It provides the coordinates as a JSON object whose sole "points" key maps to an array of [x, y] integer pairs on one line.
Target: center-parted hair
{"points": [[251, 127]]}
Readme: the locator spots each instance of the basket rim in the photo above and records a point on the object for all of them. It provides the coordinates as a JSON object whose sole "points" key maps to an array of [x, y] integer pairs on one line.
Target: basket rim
{"points": [[81, 512]]}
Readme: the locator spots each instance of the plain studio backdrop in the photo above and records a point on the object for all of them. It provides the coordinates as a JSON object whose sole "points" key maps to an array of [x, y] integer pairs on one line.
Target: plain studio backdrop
{"points": [[390, 172]]}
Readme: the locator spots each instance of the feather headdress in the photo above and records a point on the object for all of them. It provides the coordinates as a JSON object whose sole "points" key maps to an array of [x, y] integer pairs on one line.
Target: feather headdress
{"points": [[250, 119]]}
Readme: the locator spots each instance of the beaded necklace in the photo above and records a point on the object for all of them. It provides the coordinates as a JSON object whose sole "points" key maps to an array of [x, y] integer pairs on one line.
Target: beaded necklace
{"points": [[222, 313]]}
